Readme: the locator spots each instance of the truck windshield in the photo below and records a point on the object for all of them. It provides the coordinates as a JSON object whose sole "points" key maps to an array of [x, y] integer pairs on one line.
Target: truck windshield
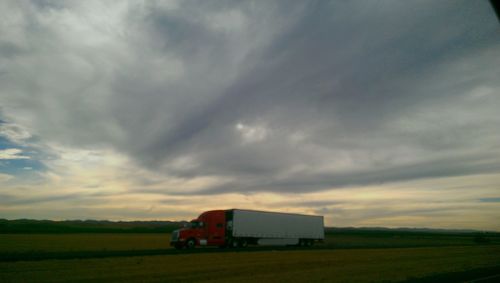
{"points": [[195, 224]]}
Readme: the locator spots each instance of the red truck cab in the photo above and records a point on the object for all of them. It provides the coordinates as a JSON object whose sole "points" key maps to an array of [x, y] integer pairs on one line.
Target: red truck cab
{"points": [[209, 229]]}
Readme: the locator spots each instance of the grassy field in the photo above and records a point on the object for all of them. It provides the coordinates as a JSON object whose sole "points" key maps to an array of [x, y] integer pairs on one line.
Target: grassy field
{"points": [[347, 265], [147, 257], [19, 243]]}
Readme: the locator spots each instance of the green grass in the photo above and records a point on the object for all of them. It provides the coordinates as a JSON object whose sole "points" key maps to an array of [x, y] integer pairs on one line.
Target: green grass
{"points": [[402, 240], [348, 265], [22, 243], [345, 257], [18, 243]]}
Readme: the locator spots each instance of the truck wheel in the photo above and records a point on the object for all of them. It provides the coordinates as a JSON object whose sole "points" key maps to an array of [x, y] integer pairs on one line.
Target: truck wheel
{"points": [[190, 243]]}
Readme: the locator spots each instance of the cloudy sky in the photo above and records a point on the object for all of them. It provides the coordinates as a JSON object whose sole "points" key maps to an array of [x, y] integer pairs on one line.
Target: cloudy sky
{"points": [[371, 113]]}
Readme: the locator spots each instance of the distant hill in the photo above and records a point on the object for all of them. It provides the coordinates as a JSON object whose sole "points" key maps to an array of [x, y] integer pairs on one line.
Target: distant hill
{"points": [[29, 226], [87, 226], [395, 231]]}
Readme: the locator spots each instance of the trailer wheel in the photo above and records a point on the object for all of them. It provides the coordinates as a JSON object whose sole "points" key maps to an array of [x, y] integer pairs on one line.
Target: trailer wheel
{"points": [[232, 243], [243, 243], [190, 243]]}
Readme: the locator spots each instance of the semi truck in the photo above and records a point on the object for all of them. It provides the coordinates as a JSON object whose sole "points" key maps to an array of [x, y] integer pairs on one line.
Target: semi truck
{"points": [[240, 228]]}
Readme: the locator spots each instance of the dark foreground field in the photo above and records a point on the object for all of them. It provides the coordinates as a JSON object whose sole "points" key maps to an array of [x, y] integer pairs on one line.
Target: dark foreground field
{"points": [[344, 257], [347, 265]]}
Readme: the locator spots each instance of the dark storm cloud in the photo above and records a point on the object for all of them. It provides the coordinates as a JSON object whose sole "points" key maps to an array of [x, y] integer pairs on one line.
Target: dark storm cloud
{"points": [[460, 166], [279, 96]]}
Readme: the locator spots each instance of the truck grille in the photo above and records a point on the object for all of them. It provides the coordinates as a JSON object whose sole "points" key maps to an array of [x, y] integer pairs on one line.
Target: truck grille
{"points": [[175, 236]]}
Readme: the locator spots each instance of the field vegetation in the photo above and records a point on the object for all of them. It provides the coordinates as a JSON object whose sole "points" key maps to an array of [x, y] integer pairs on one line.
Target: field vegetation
{"points": [[22, 243], [347, 255], [348, 265], [72, 242]]}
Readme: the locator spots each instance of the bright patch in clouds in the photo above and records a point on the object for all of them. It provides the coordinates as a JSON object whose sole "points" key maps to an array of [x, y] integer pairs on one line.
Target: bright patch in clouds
{"points": [[12, 153], [251, 134], [161, 110]]}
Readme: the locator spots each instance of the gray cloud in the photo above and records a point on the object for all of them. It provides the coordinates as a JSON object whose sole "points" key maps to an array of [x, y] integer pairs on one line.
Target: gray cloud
{"points": [[489, 200], [281, 96], [7, 199]]}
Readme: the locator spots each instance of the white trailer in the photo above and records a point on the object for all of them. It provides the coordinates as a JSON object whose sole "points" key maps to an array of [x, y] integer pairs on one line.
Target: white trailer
{"points": [[274, 228]]}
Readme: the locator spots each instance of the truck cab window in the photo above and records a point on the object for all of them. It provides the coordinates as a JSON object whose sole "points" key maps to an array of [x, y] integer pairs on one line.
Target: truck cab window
{"points": [[196, 224]]}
